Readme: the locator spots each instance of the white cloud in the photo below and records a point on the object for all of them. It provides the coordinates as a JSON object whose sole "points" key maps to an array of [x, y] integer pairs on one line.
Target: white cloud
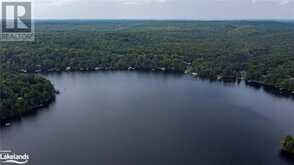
{"points": [[55, 2], [166, 9], [140, 1], [127, 2], [281, 2]]}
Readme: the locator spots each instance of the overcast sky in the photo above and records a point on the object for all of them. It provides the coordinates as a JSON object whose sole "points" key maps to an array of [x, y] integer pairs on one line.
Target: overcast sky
{"points": [[164, 9]]}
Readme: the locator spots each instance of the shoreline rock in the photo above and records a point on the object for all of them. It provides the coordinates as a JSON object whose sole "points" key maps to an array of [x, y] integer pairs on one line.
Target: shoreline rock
{"points": [[288, 146]]}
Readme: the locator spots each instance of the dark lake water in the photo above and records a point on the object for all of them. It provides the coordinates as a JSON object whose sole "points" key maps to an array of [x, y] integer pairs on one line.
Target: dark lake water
{"points": [[131, 118]]}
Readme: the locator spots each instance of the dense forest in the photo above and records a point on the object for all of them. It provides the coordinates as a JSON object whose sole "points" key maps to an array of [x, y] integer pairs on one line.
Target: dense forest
{"points": [[23, 94], [258, 51]]}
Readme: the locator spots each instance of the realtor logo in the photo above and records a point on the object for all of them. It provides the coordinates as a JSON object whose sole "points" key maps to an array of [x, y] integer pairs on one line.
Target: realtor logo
{"points": [[16, 17], [16, 21]]}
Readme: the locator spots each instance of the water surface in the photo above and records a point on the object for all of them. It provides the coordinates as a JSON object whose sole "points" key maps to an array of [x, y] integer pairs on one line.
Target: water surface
{"points": [[131, 118]]}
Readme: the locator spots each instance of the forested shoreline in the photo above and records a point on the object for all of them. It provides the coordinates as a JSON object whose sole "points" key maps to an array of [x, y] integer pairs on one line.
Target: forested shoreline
{"points": [[23, 94], [257, 51], [260, 52]]}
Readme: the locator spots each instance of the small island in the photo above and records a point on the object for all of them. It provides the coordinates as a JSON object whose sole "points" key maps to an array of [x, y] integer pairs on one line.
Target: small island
{"points": [[22, 94], [288, 146]]}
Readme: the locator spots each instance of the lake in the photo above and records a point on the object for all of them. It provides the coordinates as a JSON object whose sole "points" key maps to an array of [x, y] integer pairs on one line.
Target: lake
{"points": [[137, 118]]}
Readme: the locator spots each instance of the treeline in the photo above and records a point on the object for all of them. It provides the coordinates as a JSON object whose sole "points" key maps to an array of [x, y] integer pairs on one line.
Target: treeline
{"points": [[23, 94], [259, 51]]}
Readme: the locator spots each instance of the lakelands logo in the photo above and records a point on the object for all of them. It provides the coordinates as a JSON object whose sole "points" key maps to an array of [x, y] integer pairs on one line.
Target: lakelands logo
{"points": [[16, 21], [8, 157]]}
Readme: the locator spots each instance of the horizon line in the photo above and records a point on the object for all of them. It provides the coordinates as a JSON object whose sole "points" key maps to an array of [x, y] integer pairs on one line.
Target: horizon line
{"points": [[154, 19]]}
